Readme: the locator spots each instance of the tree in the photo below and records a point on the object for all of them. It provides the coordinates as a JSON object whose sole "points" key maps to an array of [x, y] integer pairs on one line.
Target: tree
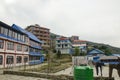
{"points": [[77, 51], [59, 54], [54, 51], [106, 50]]}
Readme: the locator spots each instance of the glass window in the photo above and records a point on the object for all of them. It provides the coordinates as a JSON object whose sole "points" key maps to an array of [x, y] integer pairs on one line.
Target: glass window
{"points": [[18, 36], [9, 60], [10, 33], [25, 59], [19, 47], [1, 44], [26, 39], [19, 59], [31, 50], [26, 48], [59, 45], [15, 35], [58, 41], [1, 59], [2, 30], [6, 31], [66, 45], [10, 45], [21, 37]]}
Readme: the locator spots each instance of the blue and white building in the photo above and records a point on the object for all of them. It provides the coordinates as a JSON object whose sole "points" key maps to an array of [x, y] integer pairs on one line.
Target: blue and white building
{"points": [[64, 45], [35, 55]]}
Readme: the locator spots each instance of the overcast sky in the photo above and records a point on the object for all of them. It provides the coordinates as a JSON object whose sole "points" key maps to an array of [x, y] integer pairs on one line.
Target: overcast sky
{"points": [[93, 20]]}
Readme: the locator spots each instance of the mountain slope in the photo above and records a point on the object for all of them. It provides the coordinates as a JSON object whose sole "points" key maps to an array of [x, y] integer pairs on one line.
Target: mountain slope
{"points": [[114, 50]]}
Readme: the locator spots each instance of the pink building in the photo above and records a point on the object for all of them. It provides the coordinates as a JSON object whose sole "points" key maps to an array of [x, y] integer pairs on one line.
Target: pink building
{"points": [[14, 47]]}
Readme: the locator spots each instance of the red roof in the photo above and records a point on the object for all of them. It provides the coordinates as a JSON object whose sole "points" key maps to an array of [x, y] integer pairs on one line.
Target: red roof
{"points": [[79, 41]]}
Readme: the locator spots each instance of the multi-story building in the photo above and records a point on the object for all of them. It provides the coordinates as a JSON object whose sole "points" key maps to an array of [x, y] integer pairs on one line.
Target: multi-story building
{"points": [[41, 33], [35, 55], [72, 38], [64, 45], [81, 44], [15, 44], [53, 38]]}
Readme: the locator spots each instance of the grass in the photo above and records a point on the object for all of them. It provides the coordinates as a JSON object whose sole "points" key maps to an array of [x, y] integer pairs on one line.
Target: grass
{"points": [[52, 69]]}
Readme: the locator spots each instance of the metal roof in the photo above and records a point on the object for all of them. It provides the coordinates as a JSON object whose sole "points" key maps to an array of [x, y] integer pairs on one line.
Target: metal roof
{"points": [[33, 37], [109, 58], [30, 35], [95, 51]]}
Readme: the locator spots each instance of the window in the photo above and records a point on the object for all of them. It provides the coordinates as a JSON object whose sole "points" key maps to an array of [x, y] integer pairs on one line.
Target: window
{"points": [[66, 45], [1, 30], [26, 48], [31, 50], [9, 60], [36, 50], [58, 41], [59, 45], [19, 47], [10, 45], [21, 37], [26, 39], [1, 59], [6, 31], [18, 37], [15, 35], [34, 58], [1, 44], [10, 33], [25, 59], [19, 59]]}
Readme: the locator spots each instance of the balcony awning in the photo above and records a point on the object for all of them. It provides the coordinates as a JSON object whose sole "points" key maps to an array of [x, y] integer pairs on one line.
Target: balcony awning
{"points": [[35, 54]]}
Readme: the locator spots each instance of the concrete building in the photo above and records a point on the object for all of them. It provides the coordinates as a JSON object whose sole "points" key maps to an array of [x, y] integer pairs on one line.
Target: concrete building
{"points": [[64, 45], [41, 33], [15, 46], [35, 54], [72, 38], [81, 44]]}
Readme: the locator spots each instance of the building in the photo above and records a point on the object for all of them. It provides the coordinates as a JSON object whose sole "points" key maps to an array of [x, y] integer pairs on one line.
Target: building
{"points": [[96, 52], [53, 38], [64, 45], [14, 46], [72, 38], [41, 33], [81, 44], [35, 54]]}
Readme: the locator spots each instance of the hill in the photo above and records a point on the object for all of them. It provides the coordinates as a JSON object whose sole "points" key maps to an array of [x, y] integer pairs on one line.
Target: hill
{"points": [[113, 50]]}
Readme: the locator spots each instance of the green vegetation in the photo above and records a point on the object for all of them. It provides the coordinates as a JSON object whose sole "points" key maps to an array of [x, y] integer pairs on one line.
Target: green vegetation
{"points": [[54, 64], [77, 52], [106, 48], [59, 54]]}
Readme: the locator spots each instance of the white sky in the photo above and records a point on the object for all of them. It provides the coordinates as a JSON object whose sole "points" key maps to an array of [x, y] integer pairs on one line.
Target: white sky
{"points": [[92, 20]]}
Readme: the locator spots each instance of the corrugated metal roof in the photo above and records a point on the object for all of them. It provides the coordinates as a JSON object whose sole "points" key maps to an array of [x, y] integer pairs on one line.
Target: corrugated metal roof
{"points": [[33, 37], [109, 58], [30, 35], [95, 51]]}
